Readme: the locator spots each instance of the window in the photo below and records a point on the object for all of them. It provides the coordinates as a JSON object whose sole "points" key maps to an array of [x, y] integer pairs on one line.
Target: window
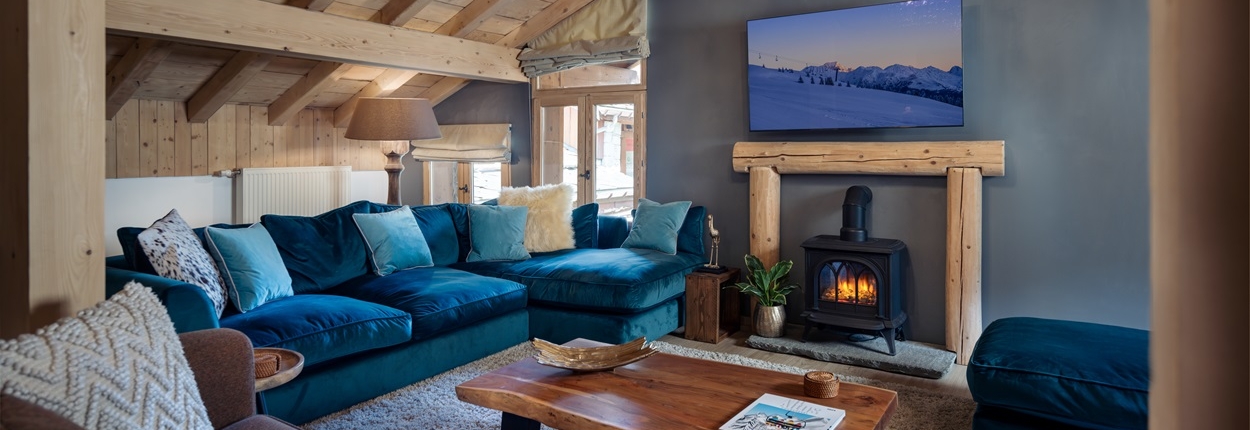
{"points": [[463, 182], [591, 136]]}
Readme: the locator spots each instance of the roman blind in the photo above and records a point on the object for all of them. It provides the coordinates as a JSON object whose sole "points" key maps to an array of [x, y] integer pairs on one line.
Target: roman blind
{"points": [[606, 31], [467, 142]]}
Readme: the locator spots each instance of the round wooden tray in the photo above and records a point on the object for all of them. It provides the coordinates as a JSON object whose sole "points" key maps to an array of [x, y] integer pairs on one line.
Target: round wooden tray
{"points": [[291, 364]]}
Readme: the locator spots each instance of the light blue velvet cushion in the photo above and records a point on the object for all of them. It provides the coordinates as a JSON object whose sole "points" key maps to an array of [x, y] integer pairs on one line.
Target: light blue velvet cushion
{"points": [[497, 233], [250, 265], [656, 226], [394, 239]]}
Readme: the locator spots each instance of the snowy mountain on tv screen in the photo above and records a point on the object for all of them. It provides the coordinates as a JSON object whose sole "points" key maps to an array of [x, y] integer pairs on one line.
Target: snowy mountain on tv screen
{"points": [[825, 96]]}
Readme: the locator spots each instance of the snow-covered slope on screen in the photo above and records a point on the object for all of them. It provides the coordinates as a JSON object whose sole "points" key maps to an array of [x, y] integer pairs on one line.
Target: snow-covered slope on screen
{"points": [[779, 102]]}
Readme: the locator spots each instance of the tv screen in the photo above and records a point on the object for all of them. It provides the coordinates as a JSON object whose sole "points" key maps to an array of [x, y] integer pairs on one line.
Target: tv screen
{"points": [[888, 65]]}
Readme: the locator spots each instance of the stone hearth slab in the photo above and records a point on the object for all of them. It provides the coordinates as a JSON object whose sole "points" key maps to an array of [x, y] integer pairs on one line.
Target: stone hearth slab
{"points": [[913, 358]]}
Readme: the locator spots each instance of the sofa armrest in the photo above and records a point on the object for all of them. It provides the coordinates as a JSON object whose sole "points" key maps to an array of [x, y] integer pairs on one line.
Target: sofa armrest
{"points": [[187, 304], [222, 362]]}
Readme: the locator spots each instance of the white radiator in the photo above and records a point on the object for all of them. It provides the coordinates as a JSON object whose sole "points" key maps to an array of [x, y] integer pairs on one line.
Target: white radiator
{"points": [[290, 191]]}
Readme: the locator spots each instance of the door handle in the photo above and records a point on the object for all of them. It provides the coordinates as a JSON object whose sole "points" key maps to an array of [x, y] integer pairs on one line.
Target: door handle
{"points": [[585, 175]]}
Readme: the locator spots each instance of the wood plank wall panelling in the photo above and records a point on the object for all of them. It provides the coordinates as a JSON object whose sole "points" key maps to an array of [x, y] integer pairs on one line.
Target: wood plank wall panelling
{"points": [[150, 138]]}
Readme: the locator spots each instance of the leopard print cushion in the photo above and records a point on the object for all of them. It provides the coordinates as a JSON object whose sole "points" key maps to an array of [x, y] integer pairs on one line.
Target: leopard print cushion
{"points": [[176, 253]]}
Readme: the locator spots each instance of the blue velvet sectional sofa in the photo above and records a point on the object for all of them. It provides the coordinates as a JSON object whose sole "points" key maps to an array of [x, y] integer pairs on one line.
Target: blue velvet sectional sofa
{"points": [[364, 335]]}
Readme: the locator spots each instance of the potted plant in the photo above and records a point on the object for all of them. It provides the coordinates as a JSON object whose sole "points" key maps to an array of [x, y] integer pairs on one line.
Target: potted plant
{"points": [[770, 286]]}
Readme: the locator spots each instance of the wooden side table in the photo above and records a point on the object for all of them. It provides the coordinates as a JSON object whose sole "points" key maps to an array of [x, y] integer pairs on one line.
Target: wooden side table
{"points": [[711, 314], [290, 364]]}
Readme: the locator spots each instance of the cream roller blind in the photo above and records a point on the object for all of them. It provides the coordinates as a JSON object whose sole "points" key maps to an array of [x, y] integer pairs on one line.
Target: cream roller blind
{"points": [[606, 31], [467, 142]]}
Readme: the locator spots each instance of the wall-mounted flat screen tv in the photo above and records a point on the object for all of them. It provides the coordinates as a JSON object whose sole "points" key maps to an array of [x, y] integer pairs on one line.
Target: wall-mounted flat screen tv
{"points": [[887, 65]]}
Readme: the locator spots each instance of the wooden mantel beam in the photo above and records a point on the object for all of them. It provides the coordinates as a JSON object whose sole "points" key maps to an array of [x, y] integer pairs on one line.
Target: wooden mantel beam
{"points": [[877, 158], [278, 29]]}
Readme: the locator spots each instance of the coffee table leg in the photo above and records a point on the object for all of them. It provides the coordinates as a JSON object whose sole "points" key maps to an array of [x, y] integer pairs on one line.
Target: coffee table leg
{"points": [[517, 422]]}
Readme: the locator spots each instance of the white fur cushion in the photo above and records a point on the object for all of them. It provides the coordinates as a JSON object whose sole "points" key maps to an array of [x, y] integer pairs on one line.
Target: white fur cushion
{"points": [[549, 225], [117, 365]]}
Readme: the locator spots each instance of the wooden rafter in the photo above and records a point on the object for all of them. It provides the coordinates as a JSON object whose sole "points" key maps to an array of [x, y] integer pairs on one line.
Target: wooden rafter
{"points": [[288, 31], [129, 73], [304, 90], [399, 12], [225, 83], [313, 5], [527, 31], [385, 84], [470, 18], [543, 21]]}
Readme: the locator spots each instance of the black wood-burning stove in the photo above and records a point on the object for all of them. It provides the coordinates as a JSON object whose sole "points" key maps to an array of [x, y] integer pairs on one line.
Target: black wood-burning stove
{"points": [[855, 282]]}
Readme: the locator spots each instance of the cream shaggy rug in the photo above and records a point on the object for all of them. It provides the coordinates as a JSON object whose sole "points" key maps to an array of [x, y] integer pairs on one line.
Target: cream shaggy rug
{"points": [[432, 403]]}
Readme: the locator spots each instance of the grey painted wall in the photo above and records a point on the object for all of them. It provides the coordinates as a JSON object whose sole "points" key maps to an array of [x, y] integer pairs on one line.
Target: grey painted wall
{"points": [[481, 103], [1063, 82]]}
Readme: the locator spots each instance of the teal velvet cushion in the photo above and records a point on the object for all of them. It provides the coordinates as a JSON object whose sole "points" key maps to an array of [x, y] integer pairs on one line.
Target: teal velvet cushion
{"points": [[615, 280], [497, 233], [439, 299], [394, 239], [656, 226], [690, 237], [321, 251], [250, 265], [586, 226], [1091, 375], [323, 327]]}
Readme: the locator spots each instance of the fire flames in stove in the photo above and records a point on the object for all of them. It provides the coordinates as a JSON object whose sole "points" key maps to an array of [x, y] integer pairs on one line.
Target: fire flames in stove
{"points": [[848, 282]]}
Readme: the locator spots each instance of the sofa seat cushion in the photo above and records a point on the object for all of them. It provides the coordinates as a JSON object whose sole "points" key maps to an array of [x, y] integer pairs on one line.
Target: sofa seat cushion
{"points": [[322, 326], [1092, 375], [617, 280], [439, 299]]}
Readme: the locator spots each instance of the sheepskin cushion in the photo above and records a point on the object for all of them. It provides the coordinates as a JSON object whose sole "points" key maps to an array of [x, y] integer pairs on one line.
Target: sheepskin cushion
{"points": [[549, 223], [117, 365]]}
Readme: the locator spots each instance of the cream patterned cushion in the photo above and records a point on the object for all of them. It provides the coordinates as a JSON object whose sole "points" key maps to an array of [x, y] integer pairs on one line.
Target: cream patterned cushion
{"points": [[176, 253], [118, 365], [549, 223]]}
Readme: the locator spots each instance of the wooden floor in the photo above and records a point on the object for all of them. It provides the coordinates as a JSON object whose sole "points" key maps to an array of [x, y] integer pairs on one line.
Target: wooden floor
{"points": [[953, 383]]}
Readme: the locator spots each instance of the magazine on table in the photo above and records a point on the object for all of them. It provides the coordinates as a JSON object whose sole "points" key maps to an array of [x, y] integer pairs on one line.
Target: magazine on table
{"points": [[771, 412]]}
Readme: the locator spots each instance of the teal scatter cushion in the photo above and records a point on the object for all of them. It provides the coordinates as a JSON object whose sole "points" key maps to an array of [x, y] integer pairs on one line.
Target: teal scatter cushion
{"points": [[439, 231], [321, 251], [323, 327], [656, 225], [250, 265], [439, 299], [612, 231], [497, 233], [690, 237], [615, 280], [586, 226], [460, 220], [1066, 371], [395, 241]]}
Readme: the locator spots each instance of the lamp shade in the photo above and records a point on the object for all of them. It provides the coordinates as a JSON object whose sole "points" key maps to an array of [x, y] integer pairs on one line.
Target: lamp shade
{"points": [[393, 119]]}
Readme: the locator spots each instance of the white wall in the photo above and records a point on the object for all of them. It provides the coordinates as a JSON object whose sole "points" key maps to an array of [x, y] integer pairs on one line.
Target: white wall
{"points": [[200, 200]]}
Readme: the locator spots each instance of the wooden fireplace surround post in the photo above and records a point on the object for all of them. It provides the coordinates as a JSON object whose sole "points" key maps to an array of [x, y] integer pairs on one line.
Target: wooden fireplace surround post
{"points": [[963, 163]]}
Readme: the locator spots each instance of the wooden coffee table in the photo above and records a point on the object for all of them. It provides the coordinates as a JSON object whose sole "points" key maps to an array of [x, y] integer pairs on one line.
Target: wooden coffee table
{"points": [[663, 391]]}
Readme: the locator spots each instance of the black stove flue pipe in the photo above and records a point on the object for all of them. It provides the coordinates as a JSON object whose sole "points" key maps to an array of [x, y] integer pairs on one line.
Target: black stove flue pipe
{"points": [[854, 213]]}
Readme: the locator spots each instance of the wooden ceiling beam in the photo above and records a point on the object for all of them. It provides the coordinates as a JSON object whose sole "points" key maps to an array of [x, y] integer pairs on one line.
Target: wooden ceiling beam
{"points": [[278, 29], [304, 90], [470, 18], [399, 12], [225, 83], [313, 5], [385, 84], [543, 21], [443, 89], [130, 72]]}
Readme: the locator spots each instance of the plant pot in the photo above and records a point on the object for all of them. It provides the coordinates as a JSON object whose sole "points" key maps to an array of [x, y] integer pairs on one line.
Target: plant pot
{"points": [[770, 321]]}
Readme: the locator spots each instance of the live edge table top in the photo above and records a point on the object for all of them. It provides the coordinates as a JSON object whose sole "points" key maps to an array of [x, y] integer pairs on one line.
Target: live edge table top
{"points": [[662, 391]]}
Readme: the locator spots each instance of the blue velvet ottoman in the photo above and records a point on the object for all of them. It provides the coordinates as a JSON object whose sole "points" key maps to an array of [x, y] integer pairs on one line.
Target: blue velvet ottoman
{"points": [[1038, 373]]}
